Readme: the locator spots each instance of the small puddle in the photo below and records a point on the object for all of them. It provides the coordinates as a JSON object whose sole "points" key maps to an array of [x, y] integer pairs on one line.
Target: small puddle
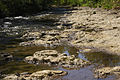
{"points": [[82, 56], [87, 73], [83, 74]]}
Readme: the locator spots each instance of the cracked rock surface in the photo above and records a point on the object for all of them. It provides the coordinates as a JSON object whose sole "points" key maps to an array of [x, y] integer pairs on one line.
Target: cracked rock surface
{"points": [[52, 57]]}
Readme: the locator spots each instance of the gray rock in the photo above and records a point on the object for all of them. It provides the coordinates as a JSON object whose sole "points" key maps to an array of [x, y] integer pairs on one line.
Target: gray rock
{"points": [[54, 58], [39, 75], [5, 57], [104, 72]]}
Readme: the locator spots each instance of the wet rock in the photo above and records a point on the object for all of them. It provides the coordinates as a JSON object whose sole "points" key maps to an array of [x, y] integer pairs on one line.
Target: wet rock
{"points": [[86, 51], [53, 53], [43, 38], [30, 59], [104, 72], [11, 77], [54, 58], [21, 17], [32, 35], [5, 57], [45, 43], [7, 23], [60, 27], [48, 73], [39, 75]]}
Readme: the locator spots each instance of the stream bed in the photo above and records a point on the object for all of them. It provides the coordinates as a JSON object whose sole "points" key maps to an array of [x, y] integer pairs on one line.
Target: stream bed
{"points": [[11, 29]]}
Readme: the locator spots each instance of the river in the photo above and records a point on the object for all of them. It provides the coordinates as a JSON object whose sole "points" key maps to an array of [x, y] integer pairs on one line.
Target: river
{"points": [[12, 28]]}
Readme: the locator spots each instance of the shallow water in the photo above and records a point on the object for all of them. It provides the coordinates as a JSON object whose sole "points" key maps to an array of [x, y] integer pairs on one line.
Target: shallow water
{"points": [[83, 74], [86, 73], [9, 42]]}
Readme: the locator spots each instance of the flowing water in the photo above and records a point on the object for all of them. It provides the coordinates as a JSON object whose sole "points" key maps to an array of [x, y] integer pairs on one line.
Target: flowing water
{"points": [[11, 29]]}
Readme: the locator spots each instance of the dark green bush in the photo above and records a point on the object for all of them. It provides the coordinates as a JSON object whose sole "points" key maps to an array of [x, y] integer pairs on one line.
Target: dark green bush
{"points": [[92, 3], [22, 7]]}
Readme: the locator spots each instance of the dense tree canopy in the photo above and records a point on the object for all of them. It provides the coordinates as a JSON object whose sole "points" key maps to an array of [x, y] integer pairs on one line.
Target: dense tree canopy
{"points": [[20, 7], [92, 3]]}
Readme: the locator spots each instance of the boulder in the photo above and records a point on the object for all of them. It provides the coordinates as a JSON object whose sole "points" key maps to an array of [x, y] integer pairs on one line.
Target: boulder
{"points": [[55, 58], [39, 75], [11, 77], [5, 57], [104, 72]]}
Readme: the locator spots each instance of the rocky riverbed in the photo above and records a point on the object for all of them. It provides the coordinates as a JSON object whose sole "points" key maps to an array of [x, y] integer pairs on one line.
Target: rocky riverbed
{"points": [[88, 27], [96, 28], [80, 40]]}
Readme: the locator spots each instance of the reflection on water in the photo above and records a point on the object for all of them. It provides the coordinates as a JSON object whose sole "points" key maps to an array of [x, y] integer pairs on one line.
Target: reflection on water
{"points": [[20, 66], [82, 56], [20, 53], [102, 58], [95, 57], [83, 74]]}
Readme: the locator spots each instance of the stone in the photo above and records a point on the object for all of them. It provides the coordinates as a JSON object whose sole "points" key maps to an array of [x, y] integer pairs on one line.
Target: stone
{"points": [[5, 57], [43, 38], [39, 75], [104, 72], [7, 23], [46, 53], [53, 57], [32, 35], [29, 59], [86, 50], [11, 77]]}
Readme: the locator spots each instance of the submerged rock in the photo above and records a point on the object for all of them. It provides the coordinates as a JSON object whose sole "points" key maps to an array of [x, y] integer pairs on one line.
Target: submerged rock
{"points": [[53, 57], [5, 57], [104, 72], [39, 75]]}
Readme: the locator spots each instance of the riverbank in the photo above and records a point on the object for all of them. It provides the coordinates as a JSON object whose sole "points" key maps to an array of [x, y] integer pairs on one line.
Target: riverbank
{"points": [[95, 28]]}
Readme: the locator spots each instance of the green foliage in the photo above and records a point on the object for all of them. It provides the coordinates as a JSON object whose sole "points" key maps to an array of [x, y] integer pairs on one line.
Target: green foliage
{"points": [[3, 9], [21, 7], [91, 3]]}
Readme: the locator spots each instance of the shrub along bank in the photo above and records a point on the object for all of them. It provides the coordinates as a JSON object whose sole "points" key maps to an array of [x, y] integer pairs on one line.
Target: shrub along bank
{"points": [[22, 7]]}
